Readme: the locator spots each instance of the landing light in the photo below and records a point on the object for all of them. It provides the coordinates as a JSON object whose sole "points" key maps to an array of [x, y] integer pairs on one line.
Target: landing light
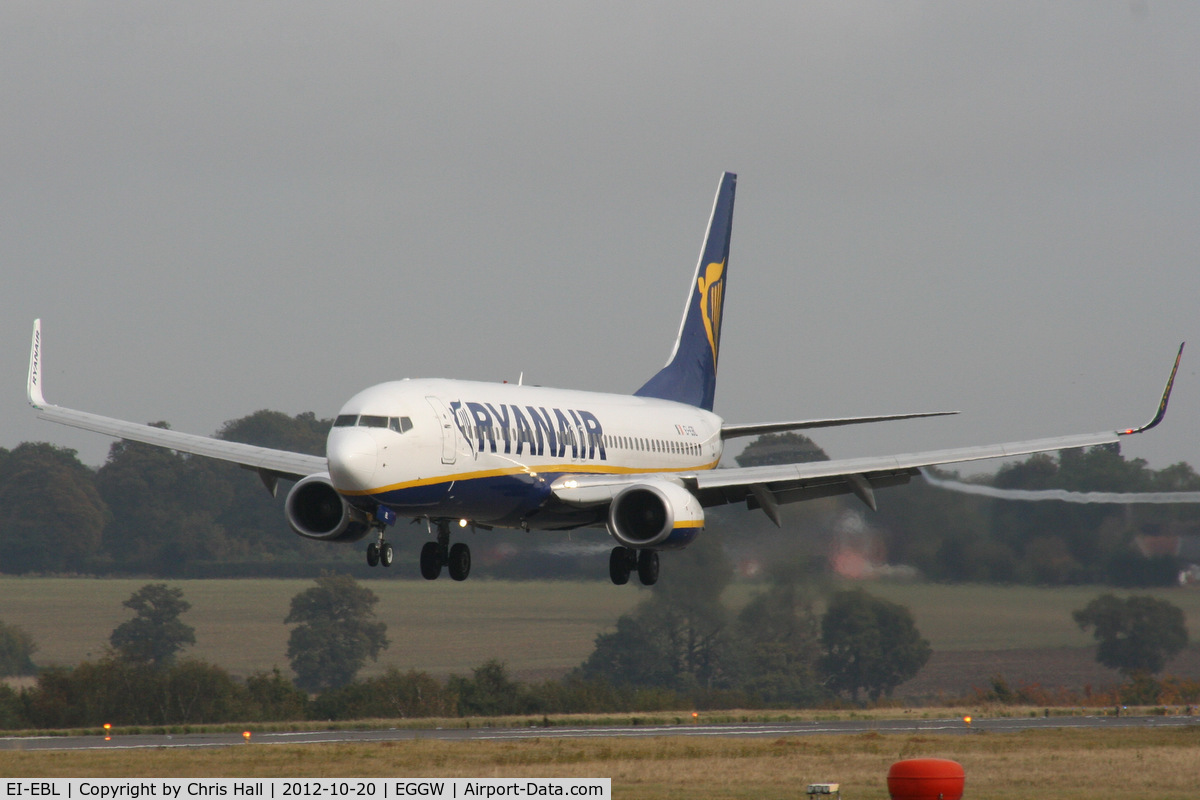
{"points": [[462, 523]]}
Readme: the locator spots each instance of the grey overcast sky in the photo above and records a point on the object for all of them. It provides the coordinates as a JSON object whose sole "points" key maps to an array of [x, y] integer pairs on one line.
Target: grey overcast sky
{"points": [[993, 207]]}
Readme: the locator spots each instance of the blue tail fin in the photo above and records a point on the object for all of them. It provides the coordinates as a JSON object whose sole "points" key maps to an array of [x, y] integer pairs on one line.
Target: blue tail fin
{"points": [[690, 375]]}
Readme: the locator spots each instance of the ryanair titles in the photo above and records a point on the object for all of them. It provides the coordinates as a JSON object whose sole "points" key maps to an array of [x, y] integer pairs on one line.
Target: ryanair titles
{"points": [[530, 430]]}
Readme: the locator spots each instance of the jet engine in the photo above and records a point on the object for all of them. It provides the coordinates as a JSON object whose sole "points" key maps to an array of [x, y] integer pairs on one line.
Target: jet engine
{"points": [[656, 514], [315, 510]]}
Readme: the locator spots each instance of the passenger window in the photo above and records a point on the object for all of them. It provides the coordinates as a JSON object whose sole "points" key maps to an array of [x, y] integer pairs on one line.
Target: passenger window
{"points": [[345, 420]]}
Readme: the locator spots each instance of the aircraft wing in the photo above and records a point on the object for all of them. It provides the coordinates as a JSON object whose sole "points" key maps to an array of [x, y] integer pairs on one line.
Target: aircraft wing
{"points": [[270, 464], [760, 428], [768, 487]]}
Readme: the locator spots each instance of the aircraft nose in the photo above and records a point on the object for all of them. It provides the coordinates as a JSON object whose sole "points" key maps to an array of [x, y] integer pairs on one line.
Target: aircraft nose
{"points": [[352, 455]]}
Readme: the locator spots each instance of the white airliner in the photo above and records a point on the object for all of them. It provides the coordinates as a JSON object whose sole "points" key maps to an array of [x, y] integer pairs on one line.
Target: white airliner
{"points": [[483, 455]]}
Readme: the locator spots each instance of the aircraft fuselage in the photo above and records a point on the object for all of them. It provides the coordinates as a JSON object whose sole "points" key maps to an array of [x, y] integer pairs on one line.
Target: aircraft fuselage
{"points": [[489, 452]]}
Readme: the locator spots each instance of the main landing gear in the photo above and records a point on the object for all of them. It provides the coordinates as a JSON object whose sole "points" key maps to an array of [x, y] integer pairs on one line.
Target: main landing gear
{"points": [[624, 560], [438, 554]]}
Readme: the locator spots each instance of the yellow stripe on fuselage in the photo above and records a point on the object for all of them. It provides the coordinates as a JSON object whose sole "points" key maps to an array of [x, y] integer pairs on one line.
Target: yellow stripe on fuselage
{"points": [[558, 469]]}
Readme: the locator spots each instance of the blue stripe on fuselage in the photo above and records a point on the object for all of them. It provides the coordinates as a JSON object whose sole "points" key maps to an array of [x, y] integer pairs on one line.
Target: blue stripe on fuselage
{"points": [[493, 499]]}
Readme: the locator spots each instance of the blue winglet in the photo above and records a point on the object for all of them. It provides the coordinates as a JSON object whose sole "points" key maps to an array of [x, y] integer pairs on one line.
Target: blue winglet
{"points": [[690, 375]]}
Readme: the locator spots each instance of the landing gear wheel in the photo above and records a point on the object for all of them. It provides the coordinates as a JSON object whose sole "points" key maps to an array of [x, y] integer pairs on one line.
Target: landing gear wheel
{"points": [[431, 561], [372, 554], [647, 567], [620, 564], [386, 555], [460, 561]]}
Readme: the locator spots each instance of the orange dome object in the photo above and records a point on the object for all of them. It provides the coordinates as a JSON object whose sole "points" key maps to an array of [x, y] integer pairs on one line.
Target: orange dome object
{"points": [[926, 779]]}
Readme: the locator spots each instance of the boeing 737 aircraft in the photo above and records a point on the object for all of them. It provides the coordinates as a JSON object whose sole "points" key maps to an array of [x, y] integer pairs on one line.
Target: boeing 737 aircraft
{"points": [[460, 454]]}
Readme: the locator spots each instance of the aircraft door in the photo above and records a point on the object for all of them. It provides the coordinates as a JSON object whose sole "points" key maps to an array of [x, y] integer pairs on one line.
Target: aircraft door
{"points": [[449, 430]]}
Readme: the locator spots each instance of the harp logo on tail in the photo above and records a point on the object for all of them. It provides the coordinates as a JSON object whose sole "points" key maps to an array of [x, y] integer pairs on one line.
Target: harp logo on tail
{"points": [[690, 375], [712, 292]]}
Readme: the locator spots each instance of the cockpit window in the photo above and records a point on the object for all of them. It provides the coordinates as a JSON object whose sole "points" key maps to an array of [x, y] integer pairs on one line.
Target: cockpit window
{"points": [[398, 424]]}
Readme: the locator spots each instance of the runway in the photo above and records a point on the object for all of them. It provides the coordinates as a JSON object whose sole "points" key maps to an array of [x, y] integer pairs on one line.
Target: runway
{"points": [[757, 730]]}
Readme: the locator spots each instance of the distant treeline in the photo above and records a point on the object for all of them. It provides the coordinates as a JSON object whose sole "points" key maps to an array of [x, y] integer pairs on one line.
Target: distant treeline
{"points": [[954, 537], [950, 536], [196, 692], [149, 511]]}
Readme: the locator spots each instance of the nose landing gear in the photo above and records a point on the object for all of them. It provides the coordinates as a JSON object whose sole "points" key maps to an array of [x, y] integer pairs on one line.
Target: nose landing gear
{"points": [[380, 552]]}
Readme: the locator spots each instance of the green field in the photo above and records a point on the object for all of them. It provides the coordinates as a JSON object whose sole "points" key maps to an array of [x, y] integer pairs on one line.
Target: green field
{"points": [[540, 628], [988, 617]]}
